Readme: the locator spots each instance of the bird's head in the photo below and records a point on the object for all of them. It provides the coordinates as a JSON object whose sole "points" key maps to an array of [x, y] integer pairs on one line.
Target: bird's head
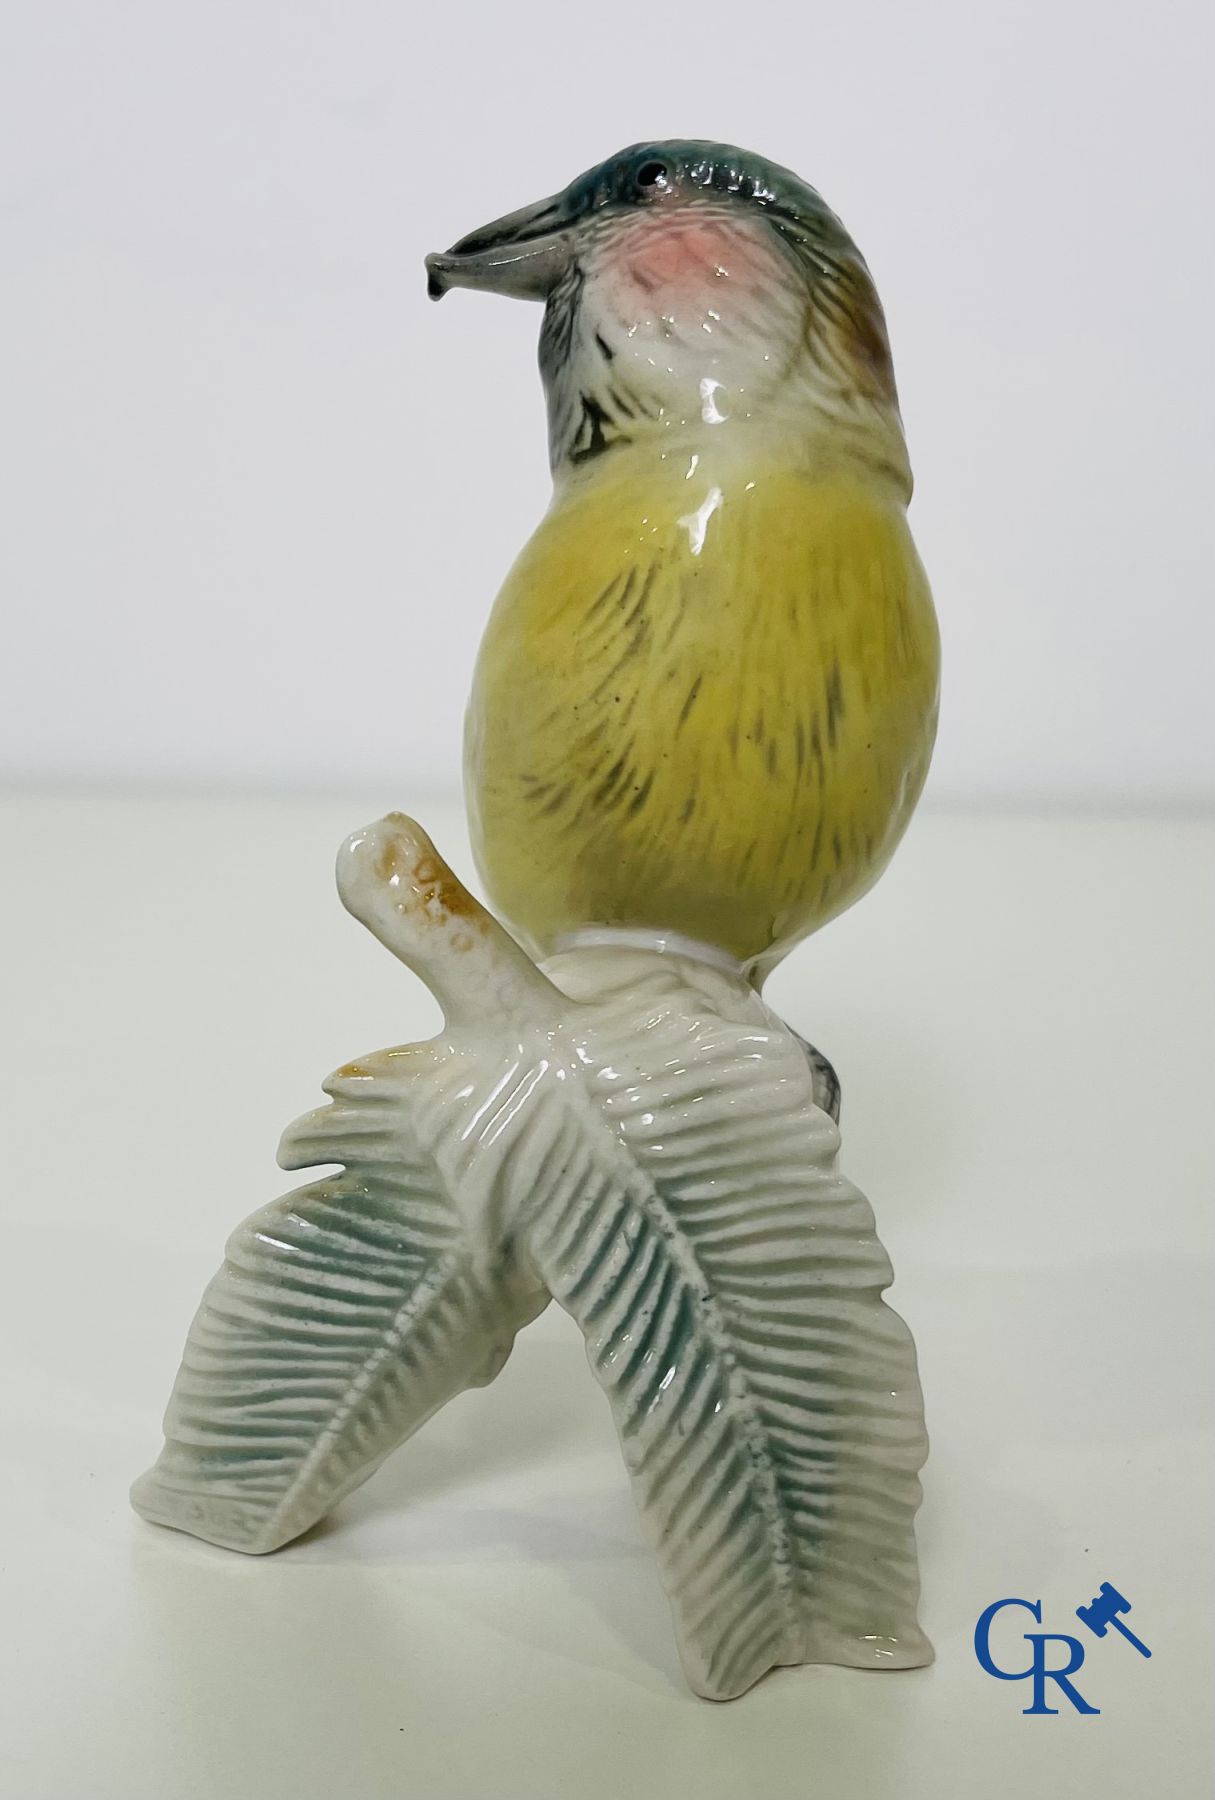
{"points": [[691, 286]]}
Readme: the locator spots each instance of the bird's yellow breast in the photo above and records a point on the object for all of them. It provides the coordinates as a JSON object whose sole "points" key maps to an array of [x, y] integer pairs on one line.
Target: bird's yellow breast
{"points": [[703, 706]]}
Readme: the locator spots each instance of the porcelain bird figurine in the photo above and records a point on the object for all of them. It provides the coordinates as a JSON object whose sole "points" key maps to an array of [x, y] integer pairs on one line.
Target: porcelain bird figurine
{"points": [[702, 714], [707, 697]]}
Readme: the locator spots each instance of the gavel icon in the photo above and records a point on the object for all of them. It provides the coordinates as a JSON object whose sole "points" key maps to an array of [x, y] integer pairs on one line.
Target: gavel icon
{"points": [[1102, 1612]]}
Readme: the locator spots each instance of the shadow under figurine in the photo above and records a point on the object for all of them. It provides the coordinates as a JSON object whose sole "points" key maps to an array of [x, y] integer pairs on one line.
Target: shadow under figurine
{"points": [[702, 715]]}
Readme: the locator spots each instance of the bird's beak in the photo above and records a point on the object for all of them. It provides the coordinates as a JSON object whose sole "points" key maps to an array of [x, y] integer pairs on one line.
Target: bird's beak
{"points": [[522, 255]]}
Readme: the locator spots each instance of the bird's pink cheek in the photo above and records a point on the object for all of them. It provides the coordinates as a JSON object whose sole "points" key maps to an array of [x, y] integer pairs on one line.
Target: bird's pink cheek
{"points": [[671, 261]]}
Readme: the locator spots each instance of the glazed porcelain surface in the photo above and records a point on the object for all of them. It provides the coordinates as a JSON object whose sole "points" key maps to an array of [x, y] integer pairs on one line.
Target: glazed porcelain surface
{"points": [[635, 1134], [707, 697], [702, 715]]}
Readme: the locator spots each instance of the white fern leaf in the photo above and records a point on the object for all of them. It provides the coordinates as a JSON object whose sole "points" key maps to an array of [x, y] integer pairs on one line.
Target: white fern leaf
{"points": [[343, 1316], [638, 1136], [728, 1281]]}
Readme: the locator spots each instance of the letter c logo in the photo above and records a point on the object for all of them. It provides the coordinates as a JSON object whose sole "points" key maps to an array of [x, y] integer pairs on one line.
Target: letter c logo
{"points": [[983, 1638]]}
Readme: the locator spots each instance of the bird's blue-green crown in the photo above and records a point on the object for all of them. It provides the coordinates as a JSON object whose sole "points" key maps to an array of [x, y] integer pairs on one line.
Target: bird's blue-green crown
{"points": [[631, 176]]}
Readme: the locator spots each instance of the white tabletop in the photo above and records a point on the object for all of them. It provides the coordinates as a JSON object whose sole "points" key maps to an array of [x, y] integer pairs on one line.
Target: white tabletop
{"points": [[1021, 1015]]}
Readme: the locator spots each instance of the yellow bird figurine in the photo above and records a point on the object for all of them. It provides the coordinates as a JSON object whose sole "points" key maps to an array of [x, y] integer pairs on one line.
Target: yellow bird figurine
{"points": [[702, 715], [707, 696]]}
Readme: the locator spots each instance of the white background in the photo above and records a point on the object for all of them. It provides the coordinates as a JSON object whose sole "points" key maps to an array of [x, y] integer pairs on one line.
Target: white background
{"points": [[258, 494]]}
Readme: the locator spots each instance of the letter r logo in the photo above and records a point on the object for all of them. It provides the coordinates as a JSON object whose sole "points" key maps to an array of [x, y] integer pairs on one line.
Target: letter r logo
{"points": [[1037, 1672]]}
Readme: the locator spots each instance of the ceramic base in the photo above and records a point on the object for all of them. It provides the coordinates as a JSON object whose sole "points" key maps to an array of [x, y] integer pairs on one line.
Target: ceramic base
{"points": [[632, 1132]]}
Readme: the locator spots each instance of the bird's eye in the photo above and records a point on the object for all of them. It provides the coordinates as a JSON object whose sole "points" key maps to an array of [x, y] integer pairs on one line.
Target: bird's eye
{"points": [[651, 177]]}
